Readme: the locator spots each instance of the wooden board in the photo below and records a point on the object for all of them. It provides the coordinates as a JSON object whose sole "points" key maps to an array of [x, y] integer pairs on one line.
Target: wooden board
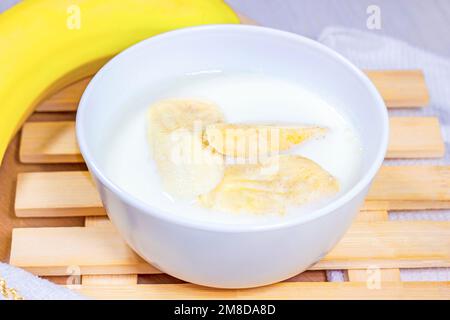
{"points": [[55, 142], [45, 194], [280, 291], [408, 244], [110, 269]]}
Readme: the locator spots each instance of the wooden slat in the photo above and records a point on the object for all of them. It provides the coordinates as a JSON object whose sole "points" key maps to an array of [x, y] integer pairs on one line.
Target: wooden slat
{"points": [[401, 88], [109, 279], [98, 222], [66, 99], [106, 279], [411, 244], [415, 137], [407, 205], [284, 291], [49, 142], [372, 216], [372, 274], [409, 188], [406, 244], [54, 194], [55, 142], [93, 250], [45, 194]]}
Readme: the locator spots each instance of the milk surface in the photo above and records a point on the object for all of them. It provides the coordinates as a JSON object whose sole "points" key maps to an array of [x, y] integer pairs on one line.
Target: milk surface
{"points": [[243, 98]]}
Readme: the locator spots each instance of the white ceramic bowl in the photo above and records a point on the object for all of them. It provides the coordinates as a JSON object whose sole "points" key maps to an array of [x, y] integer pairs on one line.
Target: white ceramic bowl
{"points": [[230, 256]]}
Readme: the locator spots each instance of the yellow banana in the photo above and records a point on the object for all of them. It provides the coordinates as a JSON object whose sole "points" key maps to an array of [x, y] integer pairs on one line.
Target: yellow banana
{"points": [[47, 44]]}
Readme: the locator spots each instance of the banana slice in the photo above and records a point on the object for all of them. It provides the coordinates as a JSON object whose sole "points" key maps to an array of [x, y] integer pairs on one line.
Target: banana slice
{"points": [[173, 114], [283, 181], [250, 141], [186, 166]]}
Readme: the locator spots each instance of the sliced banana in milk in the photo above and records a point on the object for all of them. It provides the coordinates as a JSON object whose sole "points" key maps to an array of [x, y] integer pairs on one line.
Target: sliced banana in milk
{"points": [[172, 114], [250, 141], [186, 166], [282, 181]]}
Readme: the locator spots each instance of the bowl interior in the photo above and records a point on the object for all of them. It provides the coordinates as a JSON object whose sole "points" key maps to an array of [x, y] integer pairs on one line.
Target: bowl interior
{"points": [[233, 49]]}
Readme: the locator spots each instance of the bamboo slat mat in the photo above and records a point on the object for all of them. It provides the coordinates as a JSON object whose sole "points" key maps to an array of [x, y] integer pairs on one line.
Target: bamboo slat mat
{"points": [[107, 268]]}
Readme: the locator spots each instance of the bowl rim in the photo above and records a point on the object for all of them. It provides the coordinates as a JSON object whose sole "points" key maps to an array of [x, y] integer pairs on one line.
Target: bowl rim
{"points": [[159, 213]]}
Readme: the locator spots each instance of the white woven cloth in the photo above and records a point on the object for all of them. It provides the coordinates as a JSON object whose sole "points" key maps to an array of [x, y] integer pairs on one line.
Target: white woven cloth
{"points": [[31, 287], [368, 50]]}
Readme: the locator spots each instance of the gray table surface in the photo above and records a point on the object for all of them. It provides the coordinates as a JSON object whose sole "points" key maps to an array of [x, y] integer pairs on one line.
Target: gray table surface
{"points": [[423, 23]]}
